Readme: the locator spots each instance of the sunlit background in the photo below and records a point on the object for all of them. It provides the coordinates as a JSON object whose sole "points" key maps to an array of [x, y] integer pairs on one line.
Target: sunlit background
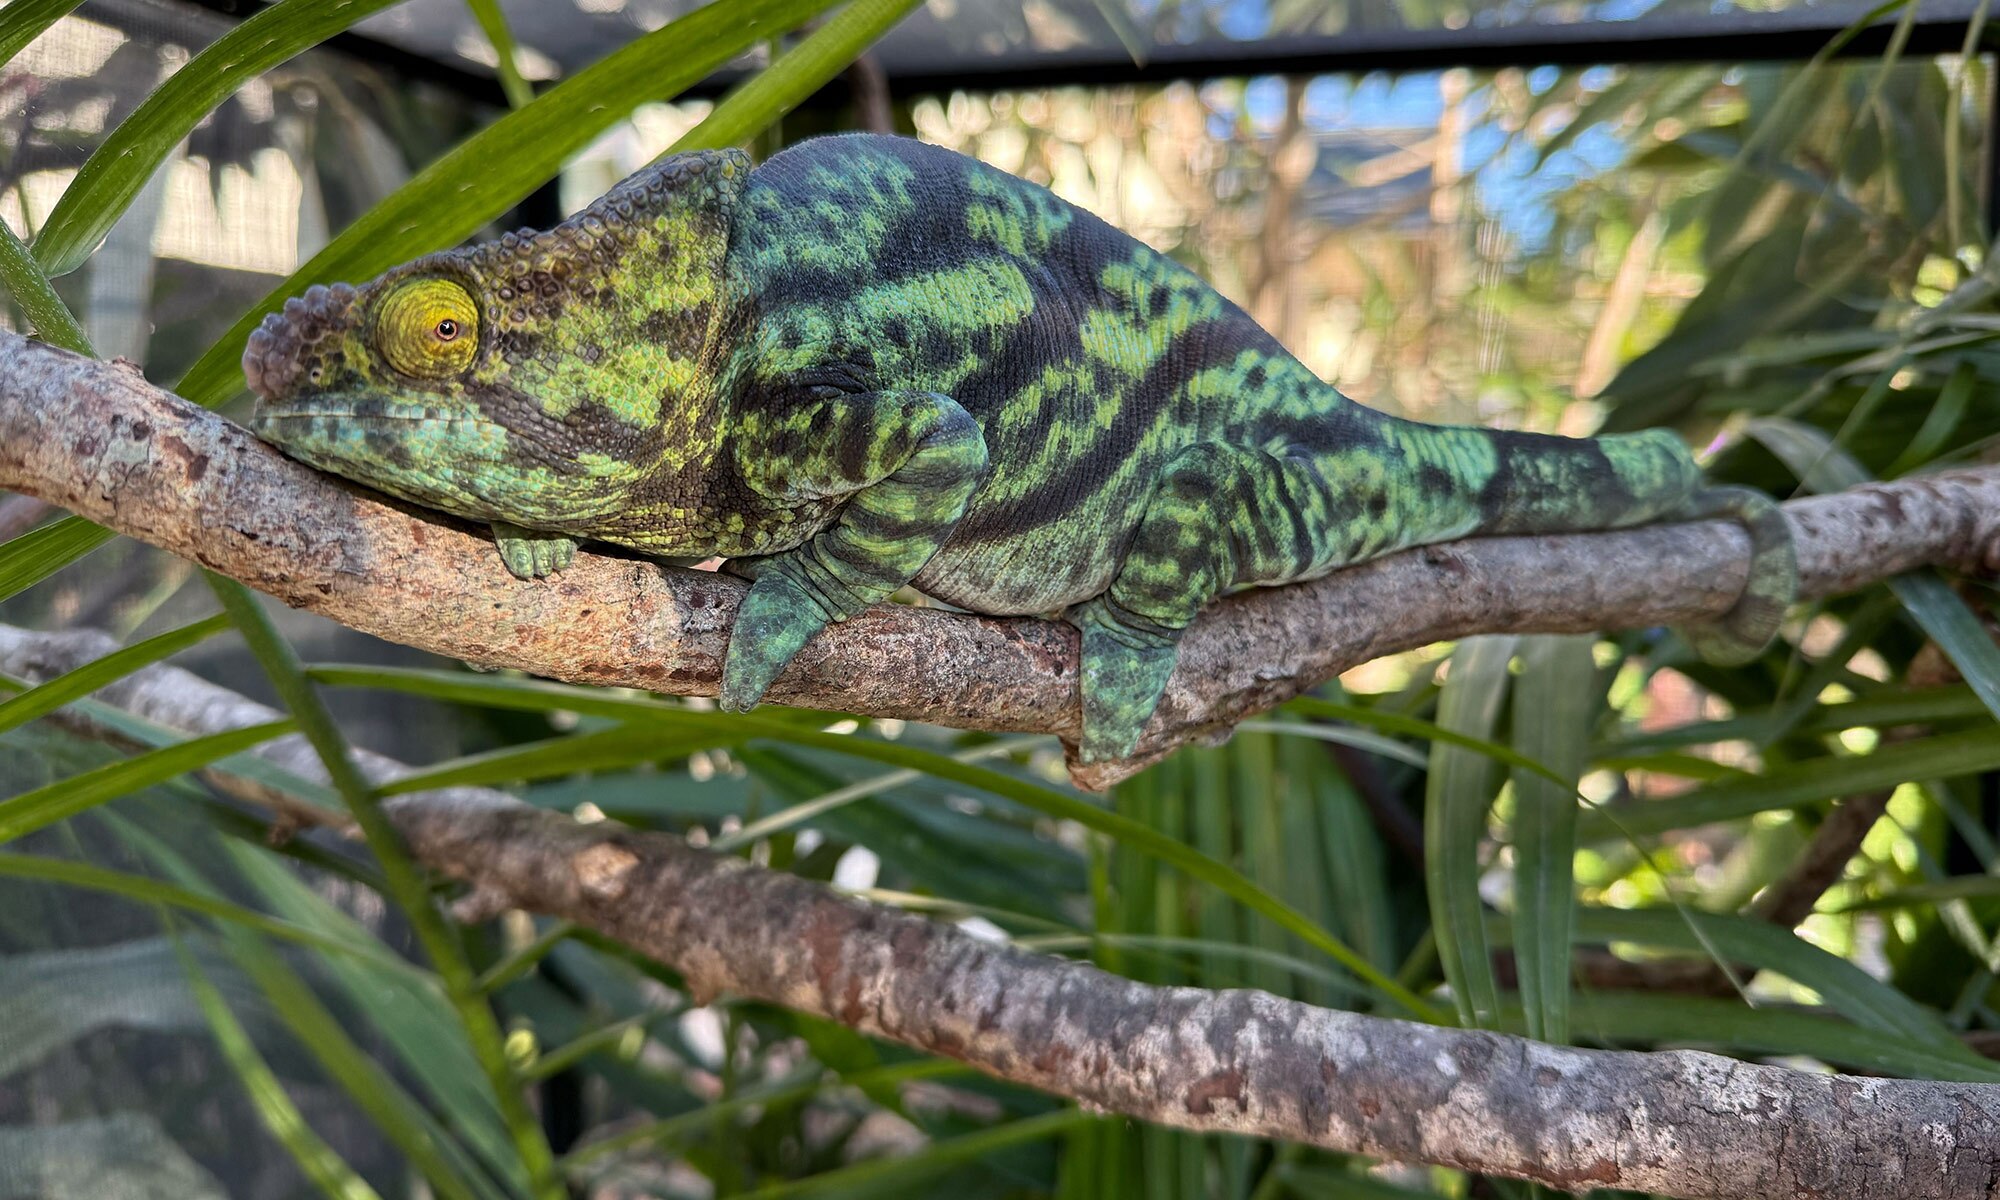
{"points": [[1455, 243]]}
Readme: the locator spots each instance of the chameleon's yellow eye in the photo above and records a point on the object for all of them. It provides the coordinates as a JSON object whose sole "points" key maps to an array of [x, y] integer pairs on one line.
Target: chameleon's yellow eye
{"points": [[428, 328]]}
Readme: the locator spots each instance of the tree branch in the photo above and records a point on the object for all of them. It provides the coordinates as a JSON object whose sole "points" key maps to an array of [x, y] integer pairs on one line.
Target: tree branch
{"points": [[98, 440], [1680, 1123]]}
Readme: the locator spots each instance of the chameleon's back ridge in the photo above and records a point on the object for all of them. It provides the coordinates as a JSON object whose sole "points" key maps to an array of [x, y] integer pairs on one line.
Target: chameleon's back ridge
{"points": [[871, 362]]}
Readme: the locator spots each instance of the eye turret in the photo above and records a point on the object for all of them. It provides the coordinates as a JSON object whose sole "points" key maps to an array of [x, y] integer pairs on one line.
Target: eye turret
{"points": [[428, 328]]}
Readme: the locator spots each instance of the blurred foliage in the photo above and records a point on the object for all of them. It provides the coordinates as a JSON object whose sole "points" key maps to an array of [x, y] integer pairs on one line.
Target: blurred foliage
{"points": [[1531, 833]]}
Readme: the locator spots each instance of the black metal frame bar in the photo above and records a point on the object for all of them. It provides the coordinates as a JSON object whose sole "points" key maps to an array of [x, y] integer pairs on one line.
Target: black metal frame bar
{"points": [[1745, 38], [1772, 37]]}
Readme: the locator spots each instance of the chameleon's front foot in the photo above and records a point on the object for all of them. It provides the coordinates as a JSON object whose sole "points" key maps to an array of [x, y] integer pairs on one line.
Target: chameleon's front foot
{"points": [[777, 618], [1125, 671], [907, 463], [530, 553]]}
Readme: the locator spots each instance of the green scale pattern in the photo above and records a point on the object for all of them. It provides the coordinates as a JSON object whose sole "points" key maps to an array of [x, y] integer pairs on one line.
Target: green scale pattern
{"points": [[871, 362]]}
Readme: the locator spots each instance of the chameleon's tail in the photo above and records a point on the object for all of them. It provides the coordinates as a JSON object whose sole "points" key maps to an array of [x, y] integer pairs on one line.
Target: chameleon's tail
{"points": [[1467, 480], [1773, 584], [1470, 480]]}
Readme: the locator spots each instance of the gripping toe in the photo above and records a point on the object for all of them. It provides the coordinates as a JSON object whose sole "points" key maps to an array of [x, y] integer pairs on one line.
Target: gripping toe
{"points": [[532, 553]]}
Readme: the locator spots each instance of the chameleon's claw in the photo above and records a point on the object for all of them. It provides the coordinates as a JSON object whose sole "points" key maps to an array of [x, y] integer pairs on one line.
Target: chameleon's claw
{"points": [[776, 620], [1125, 671], [730, 702], [530, 553]]}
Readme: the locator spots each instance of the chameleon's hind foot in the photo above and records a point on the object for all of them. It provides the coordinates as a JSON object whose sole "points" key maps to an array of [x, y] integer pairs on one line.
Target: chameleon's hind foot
{"points": [[1125, 671], [1745, 630]]}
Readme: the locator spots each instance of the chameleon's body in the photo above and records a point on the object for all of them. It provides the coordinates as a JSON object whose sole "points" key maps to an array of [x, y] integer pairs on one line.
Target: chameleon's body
{"points": [[872, 362]]}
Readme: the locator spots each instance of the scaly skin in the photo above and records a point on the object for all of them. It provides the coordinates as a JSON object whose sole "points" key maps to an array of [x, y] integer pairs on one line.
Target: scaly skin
{"points": [[871, 362]]}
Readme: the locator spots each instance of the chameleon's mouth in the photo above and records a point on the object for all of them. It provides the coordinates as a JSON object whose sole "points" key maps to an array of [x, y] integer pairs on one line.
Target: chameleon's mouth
{"points": [[364, 411], [324, 422]]}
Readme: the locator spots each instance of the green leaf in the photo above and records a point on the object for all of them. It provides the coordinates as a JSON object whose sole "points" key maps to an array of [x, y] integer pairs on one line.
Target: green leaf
{"points": [[1821, 465], [39, 553], [1873, 710], [1362, 714], [45, 699], [518, 963], [861, 789], [1844, 987], [22, 278], [489, 172], [493, 23], [1359, 739], [1639, 1018], [1945, 756], [248, 766], [405, 1004], [570, 754], [32, 810], [405, 883], [404, 1122], [1683, 766], [1838, 345], [1210, 948], [670, 1132], [54, 998], [1810, 455], [1351, 860], [1942, 614], [1554, 703], [144, 890], [795, 75], [374, 1091], [22, 21], [317, 1160], [1934, 435], [1937, 891], [1895, 706], [108, 181], [1457, 795], [976, 857], [561, 1058], [537, 696], [896, 1174]]}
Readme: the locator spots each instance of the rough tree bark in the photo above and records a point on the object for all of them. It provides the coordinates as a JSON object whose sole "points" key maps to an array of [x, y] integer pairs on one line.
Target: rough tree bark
{"points": [[98, 440], [1680, 1123]]}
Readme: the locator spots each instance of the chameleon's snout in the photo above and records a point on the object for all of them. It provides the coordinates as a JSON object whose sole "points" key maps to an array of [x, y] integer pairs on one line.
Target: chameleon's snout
{"points": [[286, 347]]}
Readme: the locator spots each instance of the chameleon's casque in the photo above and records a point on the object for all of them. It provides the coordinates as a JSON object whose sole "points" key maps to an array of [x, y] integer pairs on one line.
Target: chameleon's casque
{"points": [[872, 362]]}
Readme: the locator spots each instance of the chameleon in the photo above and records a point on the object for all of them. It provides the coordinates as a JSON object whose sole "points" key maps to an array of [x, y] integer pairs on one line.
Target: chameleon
{"points": [[870, 362]]}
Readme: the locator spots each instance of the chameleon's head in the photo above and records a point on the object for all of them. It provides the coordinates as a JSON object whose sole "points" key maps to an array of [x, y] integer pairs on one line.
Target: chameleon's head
{"points": [[383, 383], [542, 379]]}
